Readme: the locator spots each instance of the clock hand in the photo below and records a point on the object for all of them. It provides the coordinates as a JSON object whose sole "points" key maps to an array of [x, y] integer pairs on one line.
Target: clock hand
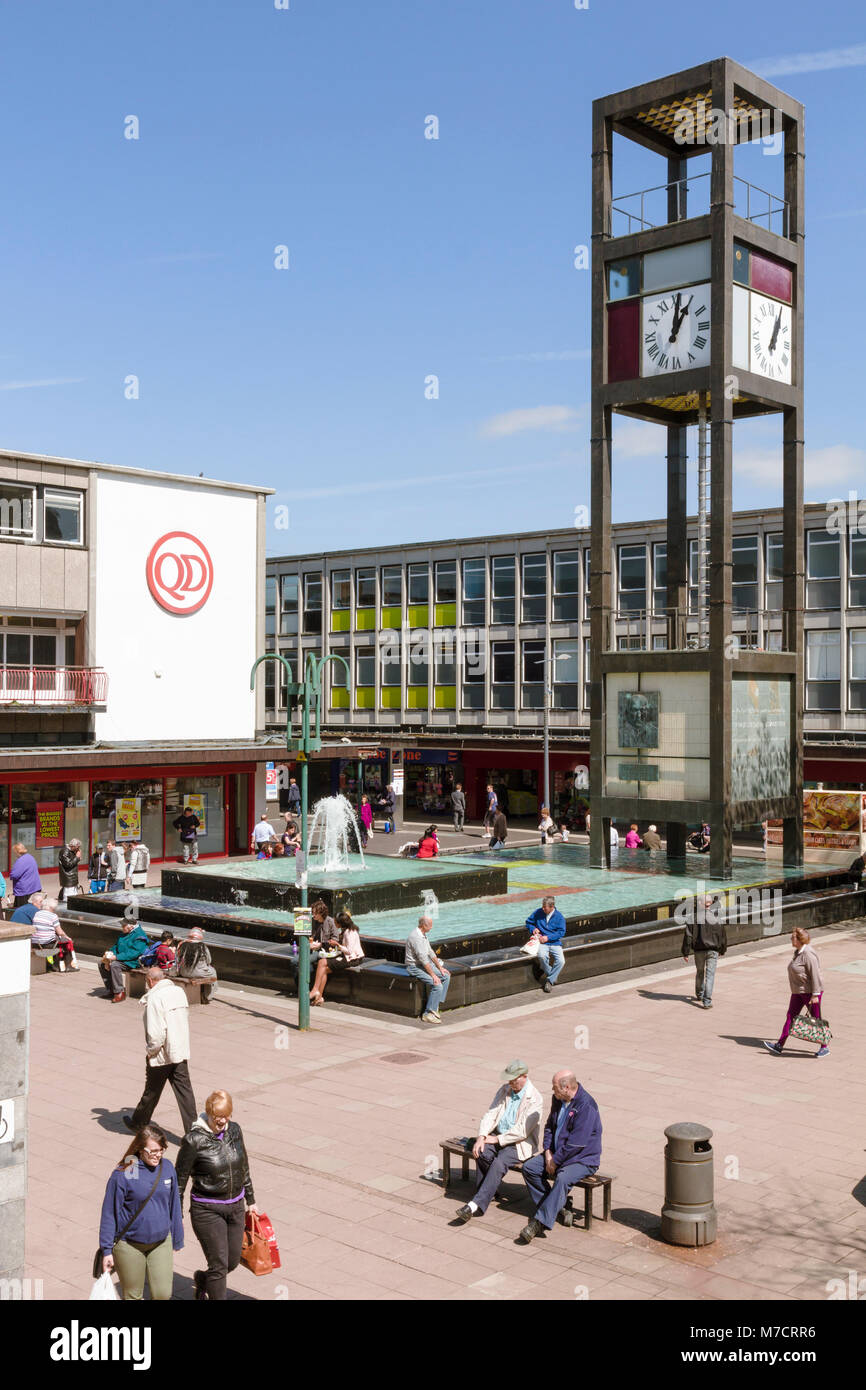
{"points": [[677, 319], [775, 335]]}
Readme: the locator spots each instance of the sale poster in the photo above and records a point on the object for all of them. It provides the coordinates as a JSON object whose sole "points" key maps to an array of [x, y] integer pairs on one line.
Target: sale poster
{"points": [[49, 823], [127, 819], [197, 802]]}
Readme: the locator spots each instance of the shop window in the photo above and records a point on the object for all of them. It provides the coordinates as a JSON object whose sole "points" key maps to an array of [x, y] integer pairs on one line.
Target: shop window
{"points": [[823, 670], [206, 796], [62, 517], [502, 675], [822, 570], [632, 579], [566, 585], [857, 572], [44, 816], [312, 603], [429, 786], [744, 574], [503, 587], [119, 806], [474, 591], [857, 669], [17, 511], [532, 685], [565, 674], [289, 605], [534, 587], [774, 571]]}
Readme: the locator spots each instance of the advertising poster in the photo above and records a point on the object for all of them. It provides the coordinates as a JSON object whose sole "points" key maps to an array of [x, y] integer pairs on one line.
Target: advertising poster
{"points": [[397, 780], [197, 802], [272, 791], [127, 819], [831, 820], [49, 823]]}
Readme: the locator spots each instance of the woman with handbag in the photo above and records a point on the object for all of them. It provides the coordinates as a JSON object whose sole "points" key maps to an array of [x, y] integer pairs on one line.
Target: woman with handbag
{"points": [[338, 956], [807, 988], [213, 1157], [141, 1223]]}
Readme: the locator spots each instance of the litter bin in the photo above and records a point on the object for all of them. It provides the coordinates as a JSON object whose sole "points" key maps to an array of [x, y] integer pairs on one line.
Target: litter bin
{"points": [[689, 1213]]}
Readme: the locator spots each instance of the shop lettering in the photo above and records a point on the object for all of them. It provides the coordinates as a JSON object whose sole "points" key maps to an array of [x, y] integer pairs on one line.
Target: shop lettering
{"points": [[179, 573]]}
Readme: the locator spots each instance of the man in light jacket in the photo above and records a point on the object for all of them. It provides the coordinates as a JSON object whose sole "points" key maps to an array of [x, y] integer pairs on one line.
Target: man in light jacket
{"points": [[509, 1133], [166, 1036]]}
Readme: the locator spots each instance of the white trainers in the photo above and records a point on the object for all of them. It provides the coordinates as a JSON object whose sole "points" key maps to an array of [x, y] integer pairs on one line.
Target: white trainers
{"points": [[430, 1018]]}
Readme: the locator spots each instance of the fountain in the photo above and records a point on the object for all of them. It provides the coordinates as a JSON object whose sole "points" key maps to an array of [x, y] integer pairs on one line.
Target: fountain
{"points": [[333, 829], [430, 904]]}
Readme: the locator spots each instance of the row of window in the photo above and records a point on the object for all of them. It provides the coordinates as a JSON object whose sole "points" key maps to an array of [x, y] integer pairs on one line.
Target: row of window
{"points": [[53, 516]]}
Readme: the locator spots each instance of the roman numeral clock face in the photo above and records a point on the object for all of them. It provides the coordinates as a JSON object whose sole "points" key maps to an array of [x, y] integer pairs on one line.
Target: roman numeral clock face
{"points": [[770, 331], [676, 330]]}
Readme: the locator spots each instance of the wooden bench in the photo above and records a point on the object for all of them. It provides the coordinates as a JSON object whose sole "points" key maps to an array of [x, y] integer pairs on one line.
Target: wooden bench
{"points": [[39, 957], [135, 985], [462, 1149]]}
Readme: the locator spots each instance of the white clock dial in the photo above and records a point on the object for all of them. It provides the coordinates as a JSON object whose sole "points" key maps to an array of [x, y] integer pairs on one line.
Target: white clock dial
{"points": [[770, 338], [676, 330]]}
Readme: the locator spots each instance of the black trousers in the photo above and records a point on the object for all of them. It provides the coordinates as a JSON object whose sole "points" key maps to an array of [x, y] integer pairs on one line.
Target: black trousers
{"points": [[220, 1232], [177, 1075]]}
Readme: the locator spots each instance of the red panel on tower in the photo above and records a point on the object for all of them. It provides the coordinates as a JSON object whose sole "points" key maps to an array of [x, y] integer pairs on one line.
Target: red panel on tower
{"points": [[770, 277], [623, 340]]}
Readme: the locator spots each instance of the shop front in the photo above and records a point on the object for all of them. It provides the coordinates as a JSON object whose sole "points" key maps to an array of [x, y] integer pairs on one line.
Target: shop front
{"points": [[518, 779], [430, 777]]}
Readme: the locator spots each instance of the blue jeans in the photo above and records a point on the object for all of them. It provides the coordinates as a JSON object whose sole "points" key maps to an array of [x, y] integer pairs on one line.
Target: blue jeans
{"points": [[550, 1195], [551, 958], [436, 992], [705, 974], [493, 1163]]}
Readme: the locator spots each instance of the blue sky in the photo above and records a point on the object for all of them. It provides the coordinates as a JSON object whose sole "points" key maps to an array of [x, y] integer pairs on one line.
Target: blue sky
{"points": [[408, 257]]}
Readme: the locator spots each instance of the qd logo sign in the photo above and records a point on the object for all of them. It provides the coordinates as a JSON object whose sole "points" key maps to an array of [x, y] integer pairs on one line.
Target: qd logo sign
{"points": [[179, 573]]}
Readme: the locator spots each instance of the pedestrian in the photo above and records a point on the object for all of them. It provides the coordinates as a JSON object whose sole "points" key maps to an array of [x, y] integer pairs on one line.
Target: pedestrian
{"points": [[547, 925], [509, 1133], [563, 830], [324, 938], [632, 839], [68, 861], [166, 1041], [293, 800], [500, 831], [129, 947], [765, 835], [458, 807], [141, 1224], [492, 807], [194, 962], [291, 838], [572, 1150], [338, 956], [366, 820], [48, 934], [651, 839], [213, 1158], [116, 866], [25, 875], [614, 836], [187, 826], [96, 871], [807, 987], [546, 826], [856, 871], [387, 804], [708, 938], [424, 965], [428, 845], [263, 833], [139, 863]]}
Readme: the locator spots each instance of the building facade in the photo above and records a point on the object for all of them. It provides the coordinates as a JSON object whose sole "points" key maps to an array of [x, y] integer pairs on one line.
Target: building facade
{"points": [[452, 645], [131, 611]]}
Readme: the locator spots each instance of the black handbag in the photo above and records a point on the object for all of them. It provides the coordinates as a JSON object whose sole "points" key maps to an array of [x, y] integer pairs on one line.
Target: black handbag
{"points": [[99, 1257]]}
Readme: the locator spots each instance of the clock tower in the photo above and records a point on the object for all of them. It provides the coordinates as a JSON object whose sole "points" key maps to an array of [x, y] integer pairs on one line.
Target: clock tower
{"points": [[697, 320]]}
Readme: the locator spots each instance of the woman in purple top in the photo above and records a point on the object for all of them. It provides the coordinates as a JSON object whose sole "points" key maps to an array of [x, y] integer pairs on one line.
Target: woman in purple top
{"points": [[25, 875], [213, 1156]]}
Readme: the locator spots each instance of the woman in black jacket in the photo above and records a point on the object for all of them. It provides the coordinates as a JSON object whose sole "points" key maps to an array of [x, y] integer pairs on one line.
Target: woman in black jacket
{"points": [[68, 861], [214, 1157]]}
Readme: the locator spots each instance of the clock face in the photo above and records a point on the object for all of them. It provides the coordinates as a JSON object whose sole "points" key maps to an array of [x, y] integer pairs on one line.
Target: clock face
{"points": [[770, 335], [676, 330]]}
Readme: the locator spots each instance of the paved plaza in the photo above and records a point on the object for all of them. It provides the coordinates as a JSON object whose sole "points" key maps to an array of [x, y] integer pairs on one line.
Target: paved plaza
{"points": [[343, 1126]]}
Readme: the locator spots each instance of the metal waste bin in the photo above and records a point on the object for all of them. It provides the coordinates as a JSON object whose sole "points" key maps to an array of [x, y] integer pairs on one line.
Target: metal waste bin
{"points": [[689, 1213]]}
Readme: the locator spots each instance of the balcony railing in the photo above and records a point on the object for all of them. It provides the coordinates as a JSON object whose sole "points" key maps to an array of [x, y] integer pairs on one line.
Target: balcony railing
{"points": [[53, 685], [637, 212], [670, 629]]}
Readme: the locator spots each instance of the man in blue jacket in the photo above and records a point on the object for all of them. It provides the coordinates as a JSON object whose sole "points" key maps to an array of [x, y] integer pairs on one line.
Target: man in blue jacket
{"points": [[572, 1150], [548, 925]]}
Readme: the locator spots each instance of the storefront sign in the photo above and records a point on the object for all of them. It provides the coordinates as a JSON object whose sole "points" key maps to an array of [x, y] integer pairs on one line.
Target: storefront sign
{"points": [[431, 756], [303, 921], [197, 802], [272, 791], [179, 573], [49, 823], [127, 819], [831, 820], [372, 755]]}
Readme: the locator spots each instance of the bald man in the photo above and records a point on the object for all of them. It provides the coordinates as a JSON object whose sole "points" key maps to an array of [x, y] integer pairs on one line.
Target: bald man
{"points": [[572, 1150]]}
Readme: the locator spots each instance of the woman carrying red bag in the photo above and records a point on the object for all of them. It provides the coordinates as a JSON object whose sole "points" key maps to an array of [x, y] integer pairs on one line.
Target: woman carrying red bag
{"points": [[213, 1156]]}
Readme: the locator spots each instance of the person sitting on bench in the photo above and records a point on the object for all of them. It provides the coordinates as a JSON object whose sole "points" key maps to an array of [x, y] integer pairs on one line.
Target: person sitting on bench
{"points": [[508, 1134], [194, 963], [572, 1150]]}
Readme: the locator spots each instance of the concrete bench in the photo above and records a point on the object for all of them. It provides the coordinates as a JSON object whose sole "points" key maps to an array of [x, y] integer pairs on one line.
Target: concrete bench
{"points": [[462, 1149], [136, 985]]}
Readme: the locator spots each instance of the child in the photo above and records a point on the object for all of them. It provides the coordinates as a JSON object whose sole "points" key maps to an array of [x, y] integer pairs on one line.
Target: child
{"points": [[546, 826], [563, 830], [165, 953]]}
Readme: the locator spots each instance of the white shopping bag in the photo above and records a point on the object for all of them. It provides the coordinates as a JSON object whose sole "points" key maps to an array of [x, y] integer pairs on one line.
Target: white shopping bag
{"points": [[104, 1288], [530, 948]]}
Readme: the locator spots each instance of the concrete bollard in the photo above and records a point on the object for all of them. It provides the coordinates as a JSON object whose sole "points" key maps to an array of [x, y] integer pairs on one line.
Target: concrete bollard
{"points": [[689, 1212]]}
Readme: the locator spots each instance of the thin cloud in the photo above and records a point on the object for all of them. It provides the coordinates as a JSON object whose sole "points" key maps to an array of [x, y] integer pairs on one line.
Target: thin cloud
{"points": [[848, 212], [469, 478], [539, 417], [44, 381], [827, 60], [182, 257], [567, 355], [833, 466]]}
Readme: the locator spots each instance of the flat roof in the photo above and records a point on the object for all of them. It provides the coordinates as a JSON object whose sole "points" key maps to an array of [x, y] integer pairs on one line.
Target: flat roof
{"points": [[94, 465]]}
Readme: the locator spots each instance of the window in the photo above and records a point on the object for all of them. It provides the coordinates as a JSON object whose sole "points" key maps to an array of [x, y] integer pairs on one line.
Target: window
{"points": [[565, 676], [857, 669], [341, 589], [857, 572], [473, 671], [822, 571], [534, 588], [587, 582], [28, 649], [419, 584], [660, 578], [445, 662], [566, 585], [62, 517], [365, 588], [503, 570], [365, 666], [17, 506], [502, 675], [744, 573], [586, 674], [532, 659], [270, 605], [392, 586], [419, 660], [632, 578], [389, 655], [446, 581], [270, 680], [775, 571], [474, 591], [312, 603], [693, 577], [289, 605], [823, 673]]}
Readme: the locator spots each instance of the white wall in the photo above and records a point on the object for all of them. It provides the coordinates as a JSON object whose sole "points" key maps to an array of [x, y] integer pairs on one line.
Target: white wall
{"points": [[204, 658]]}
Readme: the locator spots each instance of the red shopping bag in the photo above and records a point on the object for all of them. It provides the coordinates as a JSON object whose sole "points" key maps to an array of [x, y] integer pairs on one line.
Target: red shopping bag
{"points": [[260, 1228]]}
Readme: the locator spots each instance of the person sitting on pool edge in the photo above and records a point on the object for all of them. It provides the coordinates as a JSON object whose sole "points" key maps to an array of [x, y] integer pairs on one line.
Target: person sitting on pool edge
{"points": [[548, 926]]}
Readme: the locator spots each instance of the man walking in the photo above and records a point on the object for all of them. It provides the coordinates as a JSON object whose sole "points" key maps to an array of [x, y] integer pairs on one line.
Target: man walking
{"points": [[166, 1035], [509, 1133], [651, 839], [708, 939], [572, 1150], [116, 860], [458, 806], [187, 826], [547, 925], [492, 808], [423, 963], [263, 833], [294, 799]]}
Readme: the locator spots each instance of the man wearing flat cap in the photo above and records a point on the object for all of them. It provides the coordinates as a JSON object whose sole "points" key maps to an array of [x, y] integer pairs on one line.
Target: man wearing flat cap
{"points": [[509, 1133]]}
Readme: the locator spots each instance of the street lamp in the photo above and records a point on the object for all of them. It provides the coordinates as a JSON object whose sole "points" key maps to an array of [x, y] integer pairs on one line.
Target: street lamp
{"points": [[308, 696]]}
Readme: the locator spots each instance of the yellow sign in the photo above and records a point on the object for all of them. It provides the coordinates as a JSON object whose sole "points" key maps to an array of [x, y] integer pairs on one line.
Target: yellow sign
{"points": [[300, 757], [127, 814], [197, 802]]}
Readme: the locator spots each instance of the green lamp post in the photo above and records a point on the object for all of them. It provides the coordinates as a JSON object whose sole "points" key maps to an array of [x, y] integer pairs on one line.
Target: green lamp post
{"points": [[307, 695]]}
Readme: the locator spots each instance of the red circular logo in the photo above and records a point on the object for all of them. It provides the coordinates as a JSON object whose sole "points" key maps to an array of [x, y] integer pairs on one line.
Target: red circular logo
{"points": [[180, 573]]}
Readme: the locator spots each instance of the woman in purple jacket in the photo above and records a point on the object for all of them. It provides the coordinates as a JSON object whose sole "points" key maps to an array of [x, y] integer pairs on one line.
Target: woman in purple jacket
{"points": [[24, 875]]}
